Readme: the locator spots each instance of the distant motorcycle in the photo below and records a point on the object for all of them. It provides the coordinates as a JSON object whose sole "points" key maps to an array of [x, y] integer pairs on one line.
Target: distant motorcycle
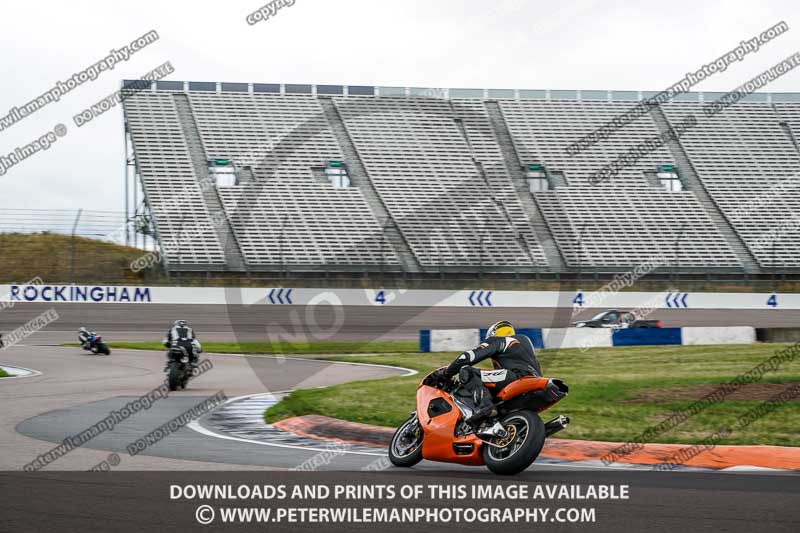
{"points": [[179, 369], [95, 344]]}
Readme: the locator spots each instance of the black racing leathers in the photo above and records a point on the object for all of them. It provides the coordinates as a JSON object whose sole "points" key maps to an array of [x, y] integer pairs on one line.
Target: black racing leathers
{"points": [[515, 353], [512, 357], [184, 337]]}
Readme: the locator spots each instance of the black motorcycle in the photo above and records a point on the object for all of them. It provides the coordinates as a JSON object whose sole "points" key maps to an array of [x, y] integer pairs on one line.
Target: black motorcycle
{"points": [[179, 369], [96, 345]]}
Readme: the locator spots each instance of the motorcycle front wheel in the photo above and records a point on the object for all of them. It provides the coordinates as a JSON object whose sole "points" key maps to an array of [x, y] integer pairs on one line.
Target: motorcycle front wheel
{"points": [[521, 446], [405, 450]]}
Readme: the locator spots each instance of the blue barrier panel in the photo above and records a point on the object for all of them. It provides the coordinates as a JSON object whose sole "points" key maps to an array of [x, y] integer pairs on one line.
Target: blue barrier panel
{"points": [[645, 336], [535, 334], [424, 340]]}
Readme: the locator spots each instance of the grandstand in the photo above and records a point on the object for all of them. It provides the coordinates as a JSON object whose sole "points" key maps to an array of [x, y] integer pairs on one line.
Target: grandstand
{"points": [[243, 177]]}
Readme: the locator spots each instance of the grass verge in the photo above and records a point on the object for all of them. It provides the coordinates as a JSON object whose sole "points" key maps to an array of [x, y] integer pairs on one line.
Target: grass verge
{"points": [[600, 380], [50, 256], [286, 348], [3, 373]]}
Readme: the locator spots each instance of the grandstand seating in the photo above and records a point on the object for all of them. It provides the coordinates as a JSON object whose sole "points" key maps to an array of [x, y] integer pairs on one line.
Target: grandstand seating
{"points": [[445, 182], [606, 226], [543, 129], [594, 220], [423, 169], [751, 169], [169, 182], [484, 146], [305, 224], [282, 138]]}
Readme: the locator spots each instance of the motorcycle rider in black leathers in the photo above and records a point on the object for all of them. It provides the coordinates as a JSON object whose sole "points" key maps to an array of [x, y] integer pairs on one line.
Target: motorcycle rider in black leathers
{"points": [[513, 357], [181, 334]]}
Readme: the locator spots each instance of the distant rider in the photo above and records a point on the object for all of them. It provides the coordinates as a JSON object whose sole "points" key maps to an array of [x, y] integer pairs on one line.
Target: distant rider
{"points": [[181, 334], [84, 337], [513, 357]]}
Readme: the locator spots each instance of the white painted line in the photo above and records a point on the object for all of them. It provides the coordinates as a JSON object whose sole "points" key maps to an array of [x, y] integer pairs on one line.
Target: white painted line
{"points": [[757, 469], [195, 425], [19, 372], [200, 429], [408, 371]]}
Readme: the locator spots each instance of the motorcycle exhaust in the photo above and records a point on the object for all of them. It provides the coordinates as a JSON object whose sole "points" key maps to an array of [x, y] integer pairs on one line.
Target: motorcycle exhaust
{"points": [[556, 425]]}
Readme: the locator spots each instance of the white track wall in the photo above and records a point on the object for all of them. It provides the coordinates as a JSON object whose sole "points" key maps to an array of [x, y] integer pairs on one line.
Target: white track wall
{"points": [[719, 335], [396, 297], [458, 340]]}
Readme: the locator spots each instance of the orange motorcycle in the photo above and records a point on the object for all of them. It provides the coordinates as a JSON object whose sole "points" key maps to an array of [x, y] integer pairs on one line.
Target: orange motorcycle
{"points": [[507, 443]]}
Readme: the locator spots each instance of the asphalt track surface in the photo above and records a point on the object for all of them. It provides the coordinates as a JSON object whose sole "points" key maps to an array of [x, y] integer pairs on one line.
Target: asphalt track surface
{"points": [[76, 390], [352, 323]]}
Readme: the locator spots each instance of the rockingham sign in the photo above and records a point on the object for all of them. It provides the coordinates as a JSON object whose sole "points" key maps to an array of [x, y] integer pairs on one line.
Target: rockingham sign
{"points": [[578, 301], [78, 293]]}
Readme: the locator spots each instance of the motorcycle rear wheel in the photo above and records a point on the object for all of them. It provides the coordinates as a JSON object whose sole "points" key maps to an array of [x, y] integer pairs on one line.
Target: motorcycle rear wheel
{"points": [[526, 442], [405, 450], [173, 378]]}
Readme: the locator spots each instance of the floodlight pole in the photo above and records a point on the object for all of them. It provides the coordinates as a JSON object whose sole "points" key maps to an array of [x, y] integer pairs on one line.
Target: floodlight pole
{"points": [[127, 182]]}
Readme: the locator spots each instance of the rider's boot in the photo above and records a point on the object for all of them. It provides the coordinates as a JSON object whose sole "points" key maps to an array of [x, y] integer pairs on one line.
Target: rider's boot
{"points": [[485, 407], [491, 430]]}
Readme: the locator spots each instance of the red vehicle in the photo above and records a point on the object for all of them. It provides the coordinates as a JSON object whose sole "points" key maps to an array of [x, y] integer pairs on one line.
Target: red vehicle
{"points": [[437, 431]]}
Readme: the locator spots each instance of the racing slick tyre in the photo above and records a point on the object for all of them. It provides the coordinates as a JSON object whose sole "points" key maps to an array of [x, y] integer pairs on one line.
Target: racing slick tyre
{"points": [[520, 448], [105, 350], [405, 450], [173, 378]]}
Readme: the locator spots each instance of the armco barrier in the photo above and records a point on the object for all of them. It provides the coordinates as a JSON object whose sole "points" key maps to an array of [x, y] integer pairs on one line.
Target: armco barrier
{"points": [[719, 335], [424, 340], [448, 340], [577, 337], [587, 338], [646, 336], [453, 340]]}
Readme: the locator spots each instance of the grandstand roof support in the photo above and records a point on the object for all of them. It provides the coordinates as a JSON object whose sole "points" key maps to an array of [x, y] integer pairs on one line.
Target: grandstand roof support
{"points": [[126, 172]]}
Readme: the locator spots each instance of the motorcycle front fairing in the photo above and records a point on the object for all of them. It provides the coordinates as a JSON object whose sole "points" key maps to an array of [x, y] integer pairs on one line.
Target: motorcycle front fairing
{"points": [[438, 417]]}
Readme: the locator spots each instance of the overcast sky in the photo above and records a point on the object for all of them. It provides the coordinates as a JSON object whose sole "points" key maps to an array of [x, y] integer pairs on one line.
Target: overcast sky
{"points": [[588, 44]]}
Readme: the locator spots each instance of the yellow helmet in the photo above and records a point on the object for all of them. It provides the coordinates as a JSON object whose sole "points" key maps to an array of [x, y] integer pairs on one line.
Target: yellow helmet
{"points": [[501, 329]]}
